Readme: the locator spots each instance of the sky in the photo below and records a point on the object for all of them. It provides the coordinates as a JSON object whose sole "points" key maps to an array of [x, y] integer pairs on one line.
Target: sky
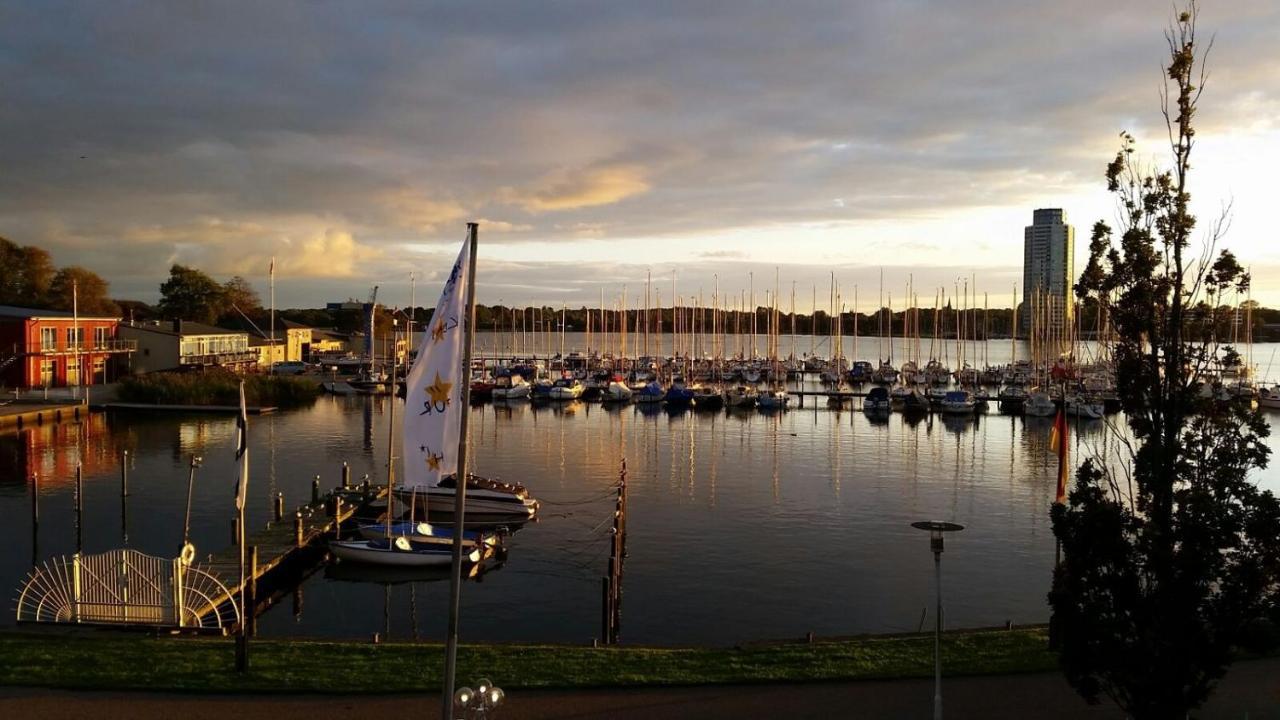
{"points": [[727, 142]]}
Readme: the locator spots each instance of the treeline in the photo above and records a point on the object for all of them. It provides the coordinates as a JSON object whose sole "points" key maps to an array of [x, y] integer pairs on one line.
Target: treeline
{"points": [[28, 278]]}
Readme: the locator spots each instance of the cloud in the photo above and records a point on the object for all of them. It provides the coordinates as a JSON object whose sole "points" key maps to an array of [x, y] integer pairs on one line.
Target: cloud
{"points": [[722, 254], [588, 187], [135, 135]]}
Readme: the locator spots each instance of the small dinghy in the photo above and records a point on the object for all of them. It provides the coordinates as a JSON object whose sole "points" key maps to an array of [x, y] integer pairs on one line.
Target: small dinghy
{"points": [[399, 551]]}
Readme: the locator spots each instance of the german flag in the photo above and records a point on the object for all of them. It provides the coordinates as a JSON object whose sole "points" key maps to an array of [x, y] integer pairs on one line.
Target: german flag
{"points": [[1058, 441]]}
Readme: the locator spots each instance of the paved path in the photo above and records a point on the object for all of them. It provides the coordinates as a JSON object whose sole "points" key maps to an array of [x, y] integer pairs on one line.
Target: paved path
{"points": [[1250, 692]]}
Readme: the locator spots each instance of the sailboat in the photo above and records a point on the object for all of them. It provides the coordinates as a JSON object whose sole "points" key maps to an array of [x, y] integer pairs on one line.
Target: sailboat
{"points": [[434, 419]]}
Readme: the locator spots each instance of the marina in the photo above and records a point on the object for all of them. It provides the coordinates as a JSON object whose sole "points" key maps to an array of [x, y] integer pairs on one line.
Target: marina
{"points": [[743, 523]]}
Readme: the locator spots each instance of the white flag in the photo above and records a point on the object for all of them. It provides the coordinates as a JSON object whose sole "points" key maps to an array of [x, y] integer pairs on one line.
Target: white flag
{"points": [[433, 402], [242, 451]]}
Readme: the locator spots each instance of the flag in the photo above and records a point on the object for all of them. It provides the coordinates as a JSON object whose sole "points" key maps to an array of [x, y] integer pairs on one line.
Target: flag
{"points": [[435, 386], [272, 270], [1058, 441], [242, 450]]}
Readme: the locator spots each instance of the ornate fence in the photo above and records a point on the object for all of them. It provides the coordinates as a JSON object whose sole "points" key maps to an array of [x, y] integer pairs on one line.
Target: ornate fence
{"points": [[124, 587]]}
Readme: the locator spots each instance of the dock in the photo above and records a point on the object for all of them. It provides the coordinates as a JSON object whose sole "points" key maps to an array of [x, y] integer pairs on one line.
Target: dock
{"points": [[848, 394], [286, 545], [184, 408], [20, 414]]}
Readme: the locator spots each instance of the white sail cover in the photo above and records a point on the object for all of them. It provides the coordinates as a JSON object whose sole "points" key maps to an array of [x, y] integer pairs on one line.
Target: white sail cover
{"points": [[433, 403]]}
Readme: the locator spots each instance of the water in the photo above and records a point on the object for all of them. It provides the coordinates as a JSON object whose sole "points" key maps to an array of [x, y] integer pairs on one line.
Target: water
{"points": [[742, 525]]}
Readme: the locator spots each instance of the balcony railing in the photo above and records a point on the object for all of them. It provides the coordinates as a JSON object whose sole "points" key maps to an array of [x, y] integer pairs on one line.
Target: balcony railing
{"points": [[222, 358], [89, 346]]}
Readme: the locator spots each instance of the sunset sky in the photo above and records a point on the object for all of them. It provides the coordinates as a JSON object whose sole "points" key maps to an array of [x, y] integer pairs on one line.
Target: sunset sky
{"points": [[595, 141]]}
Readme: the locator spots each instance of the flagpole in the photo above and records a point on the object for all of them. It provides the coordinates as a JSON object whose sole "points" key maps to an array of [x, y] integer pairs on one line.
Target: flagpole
{"points": [[272, 275], [460, 494], [242, 638]]}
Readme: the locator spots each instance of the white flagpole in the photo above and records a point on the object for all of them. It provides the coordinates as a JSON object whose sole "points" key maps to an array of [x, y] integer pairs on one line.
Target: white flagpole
{"points": [[460, 495], [242, 494], [273, 315]]}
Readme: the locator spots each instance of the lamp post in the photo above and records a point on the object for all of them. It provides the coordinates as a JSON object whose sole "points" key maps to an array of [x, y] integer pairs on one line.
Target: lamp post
{"points": [[936, 529]]}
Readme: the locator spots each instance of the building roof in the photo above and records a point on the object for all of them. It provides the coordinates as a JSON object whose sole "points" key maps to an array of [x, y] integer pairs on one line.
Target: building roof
{"points": [[183, 328], [22, 313]]}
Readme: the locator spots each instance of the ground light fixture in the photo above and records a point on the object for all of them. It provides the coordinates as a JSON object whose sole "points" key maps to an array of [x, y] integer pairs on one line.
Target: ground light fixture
{"points": [[937, 529], [480, 703]]}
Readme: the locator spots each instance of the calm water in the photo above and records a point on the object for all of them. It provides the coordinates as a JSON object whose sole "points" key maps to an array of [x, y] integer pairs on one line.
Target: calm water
{"points": [[742, 525]]}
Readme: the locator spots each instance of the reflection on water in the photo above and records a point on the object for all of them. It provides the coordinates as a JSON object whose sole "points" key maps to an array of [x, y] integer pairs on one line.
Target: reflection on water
{"points": [[741, 524]]}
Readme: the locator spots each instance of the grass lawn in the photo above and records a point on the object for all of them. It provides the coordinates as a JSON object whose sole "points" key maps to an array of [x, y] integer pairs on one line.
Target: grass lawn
{"points": [[110, 661]]}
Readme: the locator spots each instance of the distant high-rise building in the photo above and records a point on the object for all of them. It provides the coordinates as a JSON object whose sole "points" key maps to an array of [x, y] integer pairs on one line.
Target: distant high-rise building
{"points": [[1048, 271]]}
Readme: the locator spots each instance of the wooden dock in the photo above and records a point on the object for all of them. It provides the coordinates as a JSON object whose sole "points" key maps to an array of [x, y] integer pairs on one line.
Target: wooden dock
{"points": [[184, 408], [21, 414], [287, 542], [847, 394]]}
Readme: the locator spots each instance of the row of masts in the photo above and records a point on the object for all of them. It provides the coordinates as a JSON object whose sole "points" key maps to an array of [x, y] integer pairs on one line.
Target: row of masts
{"points": [[726, 327]]}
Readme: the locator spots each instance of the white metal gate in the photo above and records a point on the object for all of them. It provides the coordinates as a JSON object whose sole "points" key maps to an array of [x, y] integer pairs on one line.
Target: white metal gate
{"points": [[125, 587]]}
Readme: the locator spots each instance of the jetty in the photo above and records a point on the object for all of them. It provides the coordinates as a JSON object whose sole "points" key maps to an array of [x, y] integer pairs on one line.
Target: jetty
{"points": [[288, 547], [225, 409], [20, 414]]}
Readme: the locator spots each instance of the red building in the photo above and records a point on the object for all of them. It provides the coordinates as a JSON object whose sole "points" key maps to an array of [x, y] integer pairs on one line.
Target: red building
{"points": [[51, 348]]}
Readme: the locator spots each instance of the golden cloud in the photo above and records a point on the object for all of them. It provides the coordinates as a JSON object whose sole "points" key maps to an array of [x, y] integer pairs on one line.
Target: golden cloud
{"points": [[588, 187], [413, 209]]}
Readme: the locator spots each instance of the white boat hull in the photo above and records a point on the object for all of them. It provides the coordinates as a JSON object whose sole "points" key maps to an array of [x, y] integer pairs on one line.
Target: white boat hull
{"points": [[362, 551]]}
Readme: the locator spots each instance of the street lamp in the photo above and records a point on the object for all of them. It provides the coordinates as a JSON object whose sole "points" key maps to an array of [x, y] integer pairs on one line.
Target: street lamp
{"points": [[480, 703], [936, 529]]}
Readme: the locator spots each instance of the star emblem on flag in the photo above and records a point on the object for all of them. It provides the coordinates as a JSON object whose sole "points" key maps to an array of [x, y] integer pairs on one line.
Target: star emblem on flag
{"points": [[439, 391], [437, 333], [433, 461]]}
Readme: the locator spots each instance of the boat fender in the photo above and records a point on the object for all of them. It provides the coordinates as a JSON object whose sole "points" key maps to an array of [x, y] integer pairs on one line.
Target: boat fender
{"points": [[188, 554]]}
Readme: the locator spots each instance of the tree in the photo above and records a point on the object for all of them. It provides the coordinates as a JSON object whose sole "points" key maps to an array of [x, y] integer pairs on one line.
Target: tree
{"points": [[74, 287], [189, 294], [1172, 556], [238, 292], [28, 270]]}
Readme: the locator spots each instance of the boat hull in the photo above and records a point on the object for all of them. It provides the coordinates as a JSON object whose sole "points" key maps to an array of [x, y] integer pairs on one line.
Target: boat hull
{"points": [[367, 552]]}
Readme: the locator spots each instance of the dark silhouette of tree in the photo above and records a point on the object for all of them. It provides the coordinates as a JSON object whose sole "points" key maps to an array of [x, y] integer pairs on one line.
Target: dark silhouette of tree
{"points": [[74, 285], [189, 294], [1170, 556], [239, 293], [28, 271]]}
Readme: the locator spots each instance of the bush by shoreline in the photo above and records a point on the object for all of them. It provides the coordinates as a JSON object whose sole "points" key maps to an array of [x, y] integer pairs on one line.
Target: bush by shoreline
{"points": [[217, 387]]}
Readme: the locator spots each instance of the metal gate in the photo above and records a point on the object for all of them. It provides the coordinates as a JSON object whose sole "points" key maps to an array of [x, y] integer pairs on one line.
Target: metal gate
{"points": [[125, 587]]}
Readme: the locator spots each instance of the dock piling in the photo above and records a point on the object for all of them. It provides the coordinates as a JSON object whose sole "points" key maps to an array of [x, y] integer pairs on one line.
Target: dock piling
{"points": [[279, 509], [297, 529], [315, 490], [79, 507], [35, 517], [346, 475]]}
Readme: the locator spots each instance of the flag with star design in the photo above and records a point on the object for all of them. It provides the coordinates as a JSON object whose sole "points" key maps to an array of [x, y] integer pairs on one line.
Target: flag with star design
{"points": [[433, 402]]}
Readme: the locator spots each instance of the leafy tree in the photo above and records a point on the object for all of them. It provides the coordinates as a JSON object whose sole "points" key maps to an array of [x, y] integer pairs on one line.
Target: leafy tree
{"points": [[83, 289], [239, 293], [1170, 557], [28, 271], [189, 294]]}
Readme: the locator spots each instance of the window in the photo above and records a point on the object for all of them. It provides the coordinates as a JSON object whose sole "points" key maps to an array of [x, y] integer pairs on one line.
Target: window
{"points": [[73, 372], [48, 339], [101, 336], [75, 338], [46, 372], [99, 370]]}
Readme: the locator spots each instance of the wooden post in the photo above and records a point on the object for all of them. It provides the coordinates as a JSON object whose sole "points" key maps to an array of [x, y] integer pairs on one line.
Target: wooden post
{"points": [[606, 613], [297, 529], [124, 495], [315, 491], [279, 509], [337, 517], [79, 507], [346, 475], [35, 517], [251, 616]]}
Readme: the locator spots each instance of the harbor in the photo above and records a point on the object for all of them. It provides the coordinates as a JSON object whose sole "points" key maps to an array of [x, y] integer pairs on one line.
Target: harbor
{"points": [[742, 524]]}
